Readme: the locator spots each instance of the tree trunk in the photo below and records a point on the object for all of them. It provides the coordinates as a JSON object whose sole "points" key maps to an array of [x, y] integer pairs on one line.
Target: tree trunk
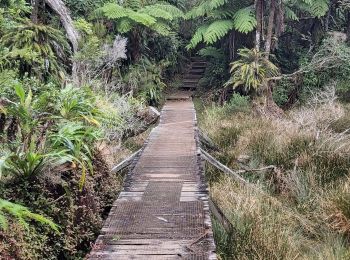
{"points": [[35, 11], [135, 43], [259, 26], [59, 7], [348, 28], [270, 28], [232, 45]]}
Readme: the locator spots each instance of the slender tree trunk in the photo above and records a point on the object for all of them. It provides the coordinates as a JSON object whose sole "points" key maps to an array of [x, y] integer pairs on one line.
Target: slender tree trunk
{"points": [[348, 28], [59, 7], [35, 11], [270, 28], [232, 45], [259, 26]]}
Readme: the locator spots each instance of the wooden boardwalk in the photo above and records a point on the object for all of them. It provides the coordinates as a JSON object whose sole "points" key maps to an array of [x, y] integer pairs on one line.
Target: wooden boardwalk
{"points": [[163, 211]]}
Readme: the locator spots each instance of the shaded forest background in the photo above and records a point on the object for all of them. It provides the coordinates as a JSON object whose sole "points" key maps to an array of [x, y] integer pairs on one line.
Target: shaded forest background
{"points": [[77, 79]]}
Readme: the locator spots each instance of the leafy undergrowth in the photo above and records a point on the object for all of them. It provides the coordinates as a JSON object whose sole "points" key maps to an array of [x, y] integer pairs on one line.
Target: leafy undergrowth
{"points": [[301, 209], [56, 151]]}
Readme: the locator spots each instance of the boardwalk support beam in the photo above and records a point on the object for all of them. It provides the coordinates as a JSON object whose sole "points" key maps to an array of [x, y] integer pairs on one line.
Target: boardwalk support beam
{"points": [[210, 159], [122, 165]]}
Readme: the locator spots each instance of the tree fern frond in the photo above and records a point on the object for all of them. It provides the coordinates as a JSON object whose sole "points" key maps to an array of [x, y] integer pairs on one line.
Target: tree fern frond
{"points": [[217, 30], [197, 37], [21, 214], [244, 20], [205, 8], [142, 18], [132, 4], [213, 4], [113, 11], [153, 11], [124, 25], [319, 8], [211, 52], [290, 14], [161, 28], [173, 10], [221, 14]]}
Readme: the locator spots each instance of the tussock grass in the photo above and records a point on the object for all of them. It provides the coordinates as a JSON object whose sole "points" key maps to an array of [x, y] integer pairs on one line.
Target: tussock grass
{"points": [[299, 211]]}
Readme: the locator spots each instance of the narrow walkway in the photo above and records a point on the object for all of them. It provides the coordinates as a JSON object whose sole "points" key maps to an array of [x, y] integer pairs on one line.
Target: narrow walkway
{"points": [[163, 211]]}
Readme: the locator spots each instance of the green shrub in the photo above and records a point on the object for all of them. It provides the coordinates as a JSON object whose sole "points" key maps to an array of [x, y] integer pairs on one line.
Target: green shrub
{"points": [[238, 103]]}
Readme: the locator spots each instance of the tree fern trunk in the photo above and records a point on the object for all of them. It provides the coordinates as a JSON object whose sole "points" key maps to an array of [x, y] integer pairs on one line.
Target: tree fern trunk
{"points": [[270, 28], [259, 17], [59, 7], [35, 11], [232, 45], [348, 28]]}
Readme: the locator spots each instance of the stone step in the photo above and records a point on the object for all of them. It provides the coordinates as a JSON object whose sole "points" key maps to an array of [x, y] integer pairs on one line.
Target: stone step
{"points": [[196, 71], [193, 76], [190, 80]]}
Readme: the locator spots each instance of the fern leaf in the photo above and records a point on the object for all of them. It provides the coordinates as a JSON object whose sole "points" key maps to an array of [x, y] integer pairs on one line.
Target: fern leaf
{"points": [[153, 11], [142, 18], [113, 11], [124, 25], [161, 28], [290, 14], [132, 4], [211, 52], [173, 10], [205, 8], [217, 30], [197, 37], [244, 20], [319, 8]]}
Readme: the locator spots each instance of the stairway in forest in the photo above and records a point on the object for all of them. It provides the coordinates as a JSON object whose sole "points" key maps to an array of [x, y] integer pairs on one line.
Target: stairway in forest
{"points": [[163, 210], [194, 73]]}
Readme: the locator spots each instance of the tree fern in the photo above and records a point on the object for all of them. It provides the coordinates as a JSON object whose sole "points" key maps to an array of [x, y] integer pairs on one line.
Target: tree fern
{"points": [[205, 8], [22, 214], [113, 11], [161, 28], [197, 37], [211, 52], [217, 30], [290, 14], [156, 12], [244, 20], [319, 8]]}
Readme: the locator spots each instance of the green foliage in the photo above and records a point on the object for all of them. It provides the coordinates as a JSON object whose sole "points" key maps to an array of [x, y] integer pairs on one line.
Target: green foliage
{"points": [[22, 214], [29, 164], [148, 76], [238, 103], [217, 30], [154, 16], [244, 20], [74, 140], [77, 104], [211, 52], [219, 20], [252, 70], [33, 47]]}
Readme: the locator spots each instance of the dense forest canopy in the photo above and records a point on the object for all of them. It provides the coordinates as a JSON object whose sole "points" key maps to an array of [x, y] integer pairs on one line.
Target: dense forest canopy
{"points": [[77, 79]]}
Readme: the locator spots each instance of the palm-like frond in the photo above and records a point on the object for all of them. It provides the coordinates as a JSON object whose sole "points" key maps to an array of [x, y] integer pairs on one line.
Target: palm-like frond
{"points": [[244, 20], [205, 8], [211, 52], [197, 37], [217, 30], [22, 214], [251, 70]]}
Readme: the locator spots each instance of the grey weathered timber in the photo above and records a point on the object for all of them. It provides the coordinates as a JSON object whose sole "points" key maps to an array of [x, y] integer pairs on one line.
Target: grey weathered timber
{"points": [[163, 209]]}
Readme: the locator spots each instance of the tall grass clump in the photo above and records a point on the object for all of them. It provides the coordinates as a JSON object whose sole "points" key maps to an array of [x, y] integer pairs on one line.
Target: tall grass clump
{"points": [[298, 210]]}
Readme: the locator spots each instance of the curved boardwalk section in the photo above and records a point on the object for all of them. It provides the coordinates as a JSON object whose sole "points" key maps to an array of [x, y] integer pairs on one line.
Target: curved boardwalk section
{"points": [[163, 211]]}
